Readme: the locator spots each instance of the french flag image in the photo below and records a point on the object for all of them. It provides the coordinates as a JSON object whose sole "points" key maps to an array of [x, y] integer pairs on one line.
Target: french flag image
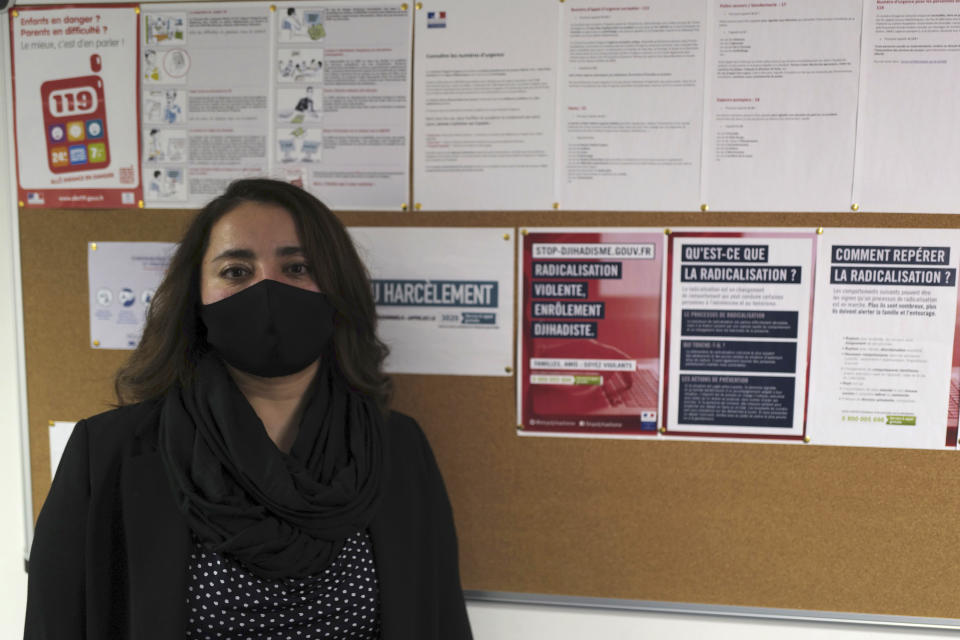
{"points": [[648, 420], [436, 19]]}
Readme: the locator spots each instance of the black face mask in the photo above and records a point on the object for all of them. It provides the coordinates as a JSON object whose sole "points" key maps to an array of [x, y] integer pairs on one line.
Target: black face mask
{"points": [[270, 329]]}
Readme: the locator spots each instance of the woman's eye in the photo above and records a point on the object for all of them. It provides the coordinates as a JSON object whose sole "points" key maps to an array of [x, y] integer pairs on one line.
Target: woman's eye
{"points": [[298, 268], [232, 273]]}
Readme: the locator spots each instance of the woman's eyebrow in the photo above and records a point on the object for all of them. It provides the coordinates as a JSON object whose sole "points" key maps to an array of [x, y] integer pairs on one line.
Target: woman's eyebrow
{"points": [[248, 254], [236, 253]]}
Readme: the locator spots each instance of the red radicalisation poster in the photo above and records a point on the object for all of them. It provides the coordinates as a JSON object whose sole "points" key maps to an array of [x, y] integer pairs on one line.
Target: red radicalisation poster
{"points": [[590, 344]]}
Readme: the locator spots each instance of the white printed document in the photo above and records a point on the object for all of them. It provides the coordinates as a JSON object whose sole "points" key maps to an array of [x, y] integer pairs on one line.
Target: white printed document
{"points": [[781, 110], [342, 91], [908, 144], [484, 104], [630, 104], [205, 87]]}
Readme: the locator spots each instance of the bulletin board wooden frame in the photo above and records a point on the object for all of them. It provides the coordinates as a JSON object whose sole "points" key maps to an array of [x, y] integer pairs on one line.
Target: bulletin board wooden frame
{"points": [[745, 529], [744, 525]]}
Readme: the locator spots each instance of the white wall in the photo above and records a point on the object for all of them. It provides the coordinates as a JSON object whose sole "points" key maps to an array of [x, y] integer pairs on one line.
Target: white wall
{"points": [[13, 579]]}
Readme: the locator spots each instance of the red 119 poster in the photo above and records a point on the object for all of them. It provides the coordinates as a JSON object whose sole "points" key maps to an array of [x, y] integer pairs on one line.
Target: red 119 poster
{"points": [[75, 79]]}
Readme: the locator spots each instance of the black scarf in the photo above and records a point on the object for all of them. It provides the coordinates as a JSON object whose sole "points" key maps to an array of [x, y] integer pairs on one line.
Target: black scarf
{"points": [[281, 515]]}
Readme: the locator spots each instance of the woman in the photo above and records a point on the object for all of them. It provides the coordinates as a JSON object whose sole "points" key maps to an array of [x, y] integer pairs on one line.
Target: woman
{"points": [[253, 483]]}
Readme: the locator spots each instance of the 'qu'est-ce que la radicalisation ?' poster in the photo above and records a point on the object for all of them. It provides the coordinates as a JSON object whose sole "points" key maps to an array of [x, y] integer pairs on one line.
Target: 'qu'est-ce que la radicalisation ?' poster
{"points": [[738, 325], [590, 340]]}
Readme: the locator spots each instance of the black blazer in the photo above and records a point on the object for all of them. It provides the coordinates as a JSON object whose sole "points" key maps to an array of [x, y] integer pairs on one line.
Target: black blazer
{"points": [[110, 549]]}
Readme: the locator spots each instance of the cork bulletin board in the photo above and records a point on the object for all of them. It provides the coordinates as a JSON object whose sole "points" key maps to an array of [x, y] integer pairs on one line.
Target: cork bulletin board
{"points": [[863, 530]]}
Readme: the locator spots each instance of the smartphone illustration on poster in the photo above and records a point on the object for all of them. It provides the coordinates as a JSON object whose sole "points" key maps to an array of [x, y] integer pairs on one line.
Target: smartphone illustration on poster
{"points": [[75, 122]]}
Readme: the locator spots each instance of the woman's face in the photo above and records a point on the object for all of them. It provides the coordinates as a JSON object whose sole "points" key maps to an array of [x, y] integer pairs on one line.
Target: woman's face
{"points": [[250, 243]]}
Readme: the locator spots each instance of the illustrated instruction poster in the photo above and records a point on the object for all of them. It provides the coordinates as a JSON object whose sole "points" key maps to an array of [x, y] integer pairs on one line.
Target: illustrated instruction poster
{"points": [[122, 278], [782, 82], [75, 71], [885, 363], [739, 315], [444, 297], [589, 356], [484, 104], [630, 104], [204, 78], [342, 118], [317, 94]]}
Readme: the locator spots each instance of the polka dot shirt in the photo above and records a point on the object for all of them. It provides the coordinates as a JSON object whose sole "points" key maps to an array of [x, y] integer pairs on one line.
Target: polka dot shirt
{"points": [[225, 601]]}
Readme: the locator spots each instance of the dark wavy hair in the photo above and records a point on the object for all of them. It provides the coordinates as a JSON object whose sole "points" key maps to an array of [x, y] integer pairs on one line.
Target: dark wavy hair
{"points": [[174, 337]]}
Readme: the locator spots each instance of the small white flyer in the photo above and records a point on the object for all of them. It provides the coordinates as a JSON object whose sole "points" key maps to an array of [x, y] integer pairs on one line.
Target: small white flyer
{"points": [[122, 278]]}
